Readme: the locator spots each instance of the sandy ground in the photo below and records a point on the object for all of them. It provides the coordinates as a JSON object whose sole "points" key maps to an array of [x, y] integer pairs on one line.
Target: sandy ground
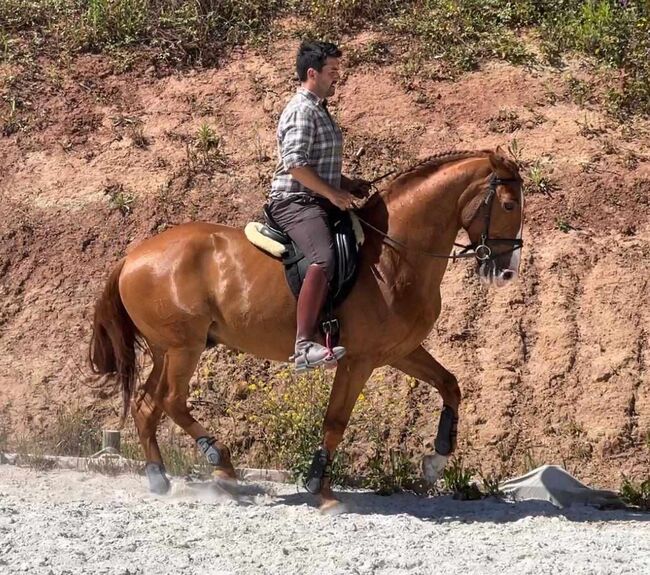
{"points": [[67, 522]]}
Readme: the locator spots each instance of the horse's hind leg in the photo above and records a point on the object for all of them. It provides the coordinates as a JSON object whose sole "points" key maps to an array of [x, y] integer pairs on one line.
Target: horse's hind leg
{"points": [[180, 364], [146, 413], [421, 365]]}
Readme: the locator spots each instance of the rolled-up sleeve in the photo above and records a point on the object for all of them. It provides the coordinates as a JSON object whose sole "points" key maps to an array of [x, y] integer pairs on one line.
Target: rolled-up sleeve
{"points": [[296, 134]]}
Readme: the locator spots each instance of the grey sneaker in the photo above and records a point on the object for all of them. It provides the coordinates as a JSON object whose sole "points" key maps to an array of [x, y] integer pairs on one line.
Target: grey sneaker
{"points": [[310, 355]]}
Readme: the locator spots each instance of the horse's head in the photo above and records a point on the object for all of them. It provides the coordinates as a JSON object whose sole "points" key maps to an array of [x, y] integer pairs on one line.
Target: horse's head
{"points": [[493, 219]]}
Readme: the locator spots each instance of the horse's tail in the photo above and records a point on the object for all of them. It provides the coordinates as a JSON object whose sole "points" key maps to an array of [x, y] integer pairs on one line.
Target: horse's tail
{"points": [[114, 340]]}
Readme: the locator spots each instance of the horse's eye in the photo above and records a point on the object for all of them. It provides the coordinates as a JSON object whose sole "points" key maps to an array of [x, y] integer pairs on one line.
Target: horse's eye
{"points": [[509, 206]]}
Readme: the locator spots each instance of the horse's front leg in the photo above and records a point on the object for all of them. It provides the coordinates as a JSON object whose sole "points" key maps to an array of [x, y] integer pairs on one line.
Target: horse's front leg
{"points": [[421, 365], [350, 378]]}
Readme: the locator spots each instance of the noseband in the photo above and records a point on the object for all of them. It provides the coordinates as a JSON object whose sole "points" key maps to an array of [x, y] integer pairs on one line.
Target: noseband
{"points": [[479, 250]]}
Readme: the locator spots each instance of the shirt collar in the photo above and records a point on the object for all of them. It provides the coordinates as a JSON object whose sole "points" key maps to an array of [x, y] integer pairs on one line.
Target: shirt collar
{"points": [[310, 95]]}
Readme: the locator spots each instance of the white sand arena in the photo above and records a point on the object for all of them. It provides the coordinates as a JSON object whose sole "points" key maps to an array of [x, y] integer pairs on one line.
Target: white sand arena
{"points": [[67, 522]]}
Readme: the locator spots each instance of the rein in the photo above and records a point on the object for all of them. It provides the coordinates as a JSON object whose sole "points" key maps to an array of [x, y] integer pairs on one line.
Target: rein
{"points": [[481, 251], [373, 182]]}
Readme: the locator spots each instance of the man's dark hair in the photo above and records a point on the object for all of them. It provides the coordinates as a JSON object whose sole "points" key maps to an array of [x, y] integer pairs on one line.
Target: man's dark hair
{"points": [[313, 55]]}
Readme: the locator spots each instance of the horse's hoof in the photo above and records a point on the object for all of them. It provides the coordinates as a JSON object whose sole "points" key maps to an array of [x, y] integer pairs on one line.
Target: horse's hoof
{"points": [[433, 466], [332, 507], [225, 474], [158, 482]]}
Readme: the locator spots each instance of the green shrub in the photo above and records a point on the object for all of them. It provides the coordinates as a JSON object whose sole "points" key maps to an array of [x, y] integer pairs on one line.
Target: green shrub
{"points": [[285, 416], [464, 33], [616, 34], [73, 432], [454, 35], [458, 479], [114, 22], [637, 494], [338, 15], [16, 15], [490, 483], [288, 419]]}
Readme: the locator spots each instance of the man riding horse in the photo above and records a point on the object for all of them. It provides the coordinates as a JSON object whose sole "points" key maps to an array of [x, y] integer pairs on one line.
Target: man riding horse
{"points": [[199, 284], [308, 187]]}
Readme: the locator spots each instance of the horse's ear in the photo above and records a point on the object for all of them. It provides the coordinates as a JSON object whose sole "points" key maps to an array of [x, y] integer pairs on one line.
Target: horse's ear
{"points": [[502, 165], [498, 160]]}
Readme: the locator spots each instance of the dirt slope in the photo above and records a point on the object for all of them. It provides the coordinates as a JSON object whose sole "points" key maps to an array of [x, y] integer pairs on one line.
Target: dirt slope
{"points": [[553, 370]]}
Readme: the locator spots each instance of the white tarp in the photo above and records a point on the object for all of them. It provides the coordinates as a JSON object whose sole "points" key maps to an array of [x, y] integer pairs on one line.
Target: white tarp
{"points": [[554, 484]]}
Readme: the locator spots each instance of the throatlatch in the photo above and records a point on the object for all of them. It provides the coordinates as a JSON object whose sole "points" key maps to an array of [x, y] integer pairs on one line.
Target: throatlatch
{"points": [[447, 431], [320, 469], [206, 445]]}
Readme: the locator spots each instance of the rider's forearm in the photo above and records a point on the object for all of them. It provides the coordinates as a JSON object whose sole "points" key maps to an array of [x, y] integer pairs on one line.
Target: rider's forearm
{"points": [[308, 177]]}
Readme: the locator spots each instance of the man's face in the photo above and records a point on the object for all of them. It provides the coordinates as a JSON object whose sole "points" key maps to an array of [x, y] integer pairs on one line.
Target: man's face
{"points": [[327, 78]]}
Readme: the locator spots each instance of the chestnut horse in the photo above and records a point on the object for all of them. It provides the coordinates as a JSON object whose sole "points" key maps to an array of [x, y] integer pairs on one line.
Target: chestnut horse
{"points": [[199, 284]]}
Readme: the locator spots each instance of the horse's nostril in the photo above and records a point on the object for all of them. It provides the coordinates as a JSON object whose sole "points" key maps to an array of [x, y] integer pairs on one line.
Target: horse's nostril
{"points": [[508, 275]]}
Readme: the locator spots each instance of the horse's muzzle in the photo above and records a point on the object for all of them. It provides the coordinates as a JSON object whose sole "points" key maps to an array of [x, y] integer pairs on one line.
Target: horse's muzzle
{"points": [[490, 274]]}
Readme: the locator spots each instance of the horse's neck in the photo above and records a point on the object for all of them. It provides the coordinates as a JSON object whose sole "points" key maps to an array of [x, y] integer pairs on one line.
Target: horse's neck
{"points": [[423, 215]]}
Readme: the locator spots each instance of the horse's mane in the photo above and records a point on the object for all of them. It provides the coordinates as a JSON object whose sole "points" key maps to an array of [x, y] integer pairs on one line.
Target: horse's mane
{"points": [[435, 161], [430, 164]]}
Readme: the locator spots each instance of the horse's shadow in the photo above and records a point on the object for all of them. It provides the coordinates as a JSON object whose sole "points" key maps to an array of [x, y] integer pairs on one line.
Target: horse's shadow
{"points": [[445, 509], [438, 509]]}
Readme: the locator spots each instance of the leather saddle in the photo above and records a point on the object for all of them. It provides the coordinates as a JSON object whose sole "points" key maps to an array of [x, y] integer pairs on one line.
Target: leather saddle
{"points": [[346, 243]]}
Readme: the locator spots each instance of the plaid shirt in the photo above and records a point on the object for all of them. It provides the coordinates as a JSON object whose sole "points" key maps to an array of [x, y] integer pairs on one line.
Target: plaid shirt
{"points": [[307, 136]]}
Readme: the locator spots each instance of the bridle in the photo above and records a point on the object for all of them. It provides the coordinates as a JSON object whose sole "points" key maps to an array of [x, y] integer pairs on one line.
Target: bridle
{"points": [[479, 250]]}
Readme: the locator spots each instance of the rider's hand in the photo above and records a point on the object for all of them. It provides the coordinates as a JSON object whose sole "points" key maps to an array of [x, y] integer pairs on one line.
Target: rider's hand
{"points": [[360, 188], [342, 200]]}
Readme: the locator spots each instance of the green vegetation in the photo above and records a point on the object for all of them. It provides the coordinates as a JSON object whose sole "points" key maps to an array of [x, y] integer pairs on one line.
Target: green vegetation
{"points": [[490, 483], [119, 199], [11, 122], [462, 34], [458, 479], [564, 226], [178, 30], [637, 494], [515, 149], [206, 153], [285, 420], [447, 37], [289, 420], [538, 181], [73, 432]]}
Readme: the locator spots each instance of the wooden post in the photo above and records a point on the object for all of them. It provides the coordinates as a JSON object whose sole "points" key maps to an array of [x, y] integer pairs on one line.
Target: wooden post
{"points": [[111, 441]]}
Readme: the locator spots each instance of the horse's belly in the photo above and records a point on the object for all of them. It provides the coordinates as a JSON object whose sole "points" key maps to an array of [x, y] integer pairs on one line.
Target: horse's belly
{"points": [[272, 340]]}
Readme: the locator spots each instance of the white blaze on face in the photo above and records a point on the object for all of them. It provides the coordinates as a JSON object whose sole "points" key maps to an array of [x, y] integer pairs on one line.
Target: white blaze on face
{"points": [[515, 256], [492, 274]]}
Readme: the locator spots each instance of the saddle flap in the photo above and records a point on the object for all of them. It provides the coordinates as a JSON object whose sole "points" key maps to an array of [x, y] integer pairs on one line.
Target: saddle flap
{"points": [[347, 249]]}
